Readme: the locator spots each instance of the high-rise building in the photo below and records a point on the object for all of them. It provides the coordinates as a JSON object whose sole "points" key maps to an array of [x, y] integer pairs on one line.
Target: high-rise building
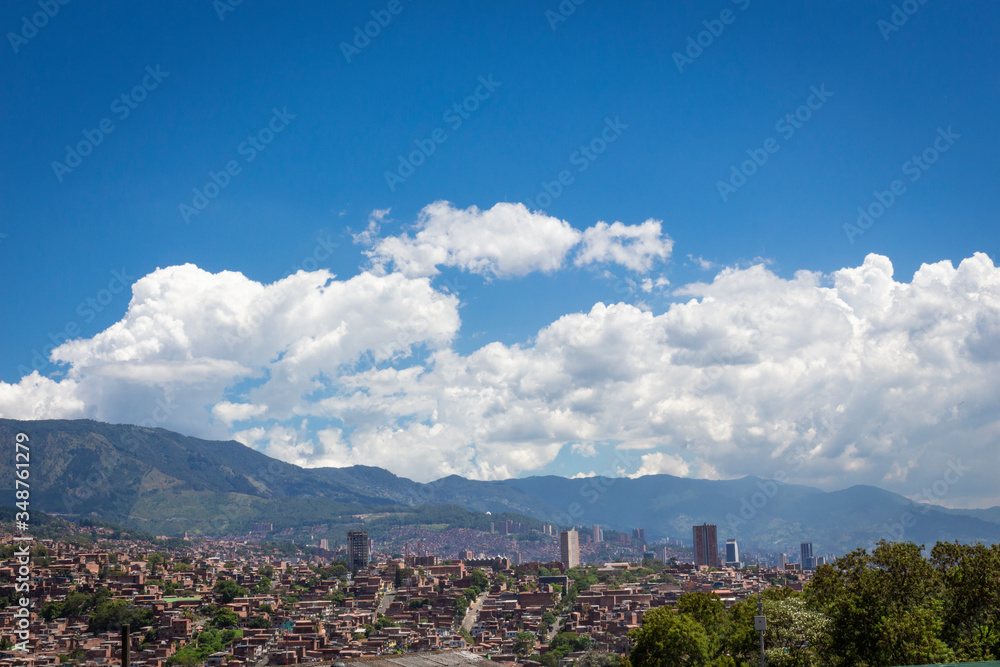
{"points": [[706, 546], [358, 550], [569, 547], [808, 560], [782, 560], [639, 534], [732, 553], [598, 534], [324, 544]]}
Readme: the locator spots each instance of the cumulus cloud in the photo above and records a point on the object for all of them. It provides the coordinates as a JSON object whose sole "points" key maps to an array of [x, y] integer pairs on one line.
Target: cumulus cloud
{"points": [[853, 377], [504, 241], [635, 247], [508, 240], [188, 335], [663, 463]]}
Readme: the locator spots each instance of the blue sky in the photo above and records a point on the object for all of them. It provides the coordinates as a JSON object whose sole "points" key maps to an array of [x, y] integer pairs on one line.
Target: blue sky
{"points": [[553, 86]]}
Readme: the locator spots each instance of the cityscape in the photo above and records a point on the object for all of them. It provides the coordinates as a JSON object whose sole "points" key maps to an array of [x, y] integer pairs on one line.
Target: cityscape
{"points": [[549, 333], [316, 604]]}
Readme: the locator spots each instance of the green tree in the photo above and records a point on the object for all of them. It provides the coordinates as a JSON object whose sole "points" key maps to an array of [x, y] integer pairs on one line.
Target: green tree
{"points": [[883, 607], [523, 643], [796, 636], [568, 642], [597, 659], [710, 612], [668, 639], [263, 586], [228, 590], [225, 618], [479, 580], [970, 575], [112, 614]]}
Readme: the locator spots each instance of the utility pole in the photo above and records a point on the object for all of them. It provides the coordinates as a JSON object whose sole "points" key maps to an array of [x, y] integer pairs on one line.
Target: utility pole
{"points": [[760, 625], [125, 646]]}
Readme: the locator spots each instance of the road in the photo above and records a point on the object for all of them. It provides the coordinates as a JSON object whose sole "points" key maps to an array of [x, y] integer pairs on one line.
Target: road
{"points": [[473, 613], [554, 630], [386, 601]]}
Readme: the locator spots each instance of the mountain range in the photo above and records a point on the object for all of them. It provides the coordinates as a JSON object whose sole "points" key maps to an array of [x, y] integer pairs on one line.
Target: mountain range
{"points": [[167, 483]]}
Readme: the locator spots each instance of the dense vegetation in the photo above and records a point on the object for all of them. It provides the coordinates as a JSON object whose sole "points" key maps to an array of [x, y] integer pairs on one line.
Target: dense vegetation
{"points": [[890, 606]]}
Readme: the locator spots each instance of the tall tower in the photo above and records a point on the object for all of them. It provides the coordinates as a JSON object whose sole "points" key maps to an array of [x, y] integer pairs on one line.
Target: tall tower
{"points": [[808, 561], [732, 553], [569, 547], [706, 546], [358, 550]]}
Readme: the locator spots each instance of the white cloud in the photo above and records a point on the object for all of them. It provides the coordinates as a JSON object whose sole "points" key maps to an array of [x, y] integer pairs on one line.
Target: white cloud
{"points": [[38, 397], [508, 240], [661, 463], [635, 247], [648, 284], [701, 262], [234, 412], [855, 377]]}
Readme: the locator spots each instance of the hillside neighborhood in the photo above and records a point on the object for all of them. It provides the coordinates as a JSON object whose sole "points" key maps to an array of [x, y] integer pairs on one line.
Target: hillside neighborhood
{"points": [[239, 603]]}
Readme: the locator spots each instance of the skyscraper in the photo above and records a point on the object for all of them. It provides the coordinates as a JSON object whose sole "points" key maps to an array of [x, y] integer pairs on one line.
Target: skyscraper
{"points": [[732, 553], [808, 560], [598, 534], [358, 550], [569, 547], [706, 546]]}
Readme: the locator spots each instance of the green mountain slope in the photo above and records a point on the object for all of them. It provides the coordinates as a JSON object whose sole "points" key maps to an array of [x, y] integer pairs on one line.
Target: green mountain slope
{"points": [[166, 483]]}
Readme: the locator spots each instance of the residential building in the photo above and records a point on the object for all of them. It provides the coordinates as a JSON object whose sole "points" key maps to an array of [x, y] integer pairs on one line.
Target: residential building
{"points": [[706, 546], [358, 550], [569, 547]]}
